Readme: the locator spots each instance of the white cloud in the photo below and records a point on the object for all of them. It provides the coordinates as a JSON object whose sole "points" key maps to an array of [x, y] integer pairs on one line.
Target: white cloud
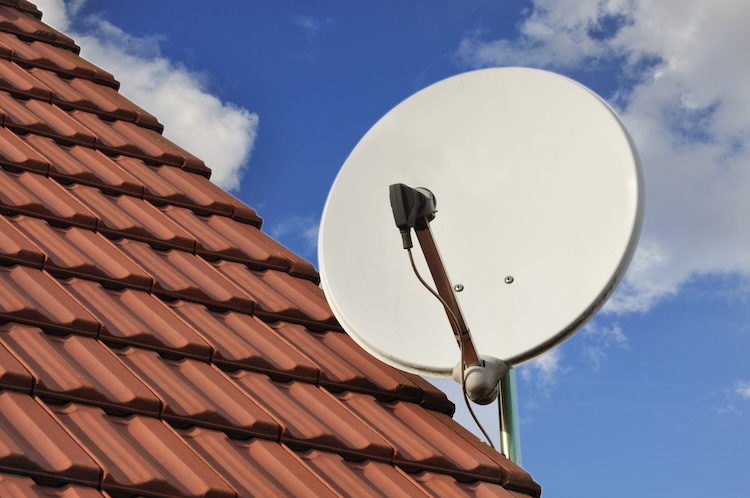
{"points": [[682, 69], [312, 25], [297, 231], [545, 369], [55, 13], [220, 133], [742, 389], [598, 339]]}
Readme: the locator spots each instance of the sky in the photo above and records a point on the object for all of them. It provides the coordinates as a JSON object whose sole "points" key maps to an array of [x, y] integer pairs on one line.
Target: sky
{"points": [[652, 397]]}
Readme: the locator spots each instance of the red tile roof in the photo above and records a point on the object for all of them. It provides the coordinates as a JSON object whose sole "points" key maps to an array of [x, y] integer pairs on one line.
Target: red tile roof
{"points": [[154, 341]]}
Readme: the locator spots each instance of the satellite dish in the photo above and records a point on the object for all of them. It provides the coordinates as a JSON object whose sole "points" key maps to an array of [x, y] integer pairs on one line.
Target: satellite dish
{"points": [[538, 189]]}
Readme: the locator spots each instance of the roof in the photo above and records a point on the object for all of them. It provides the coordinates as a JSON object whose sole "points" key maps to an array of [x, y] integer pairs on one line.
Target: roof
{"points": [[154, 341]]}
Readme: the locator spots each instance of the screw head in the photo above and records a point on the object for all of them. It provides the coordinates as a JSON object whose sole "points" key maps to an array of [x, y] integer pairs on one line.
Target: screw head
{"points": [[509, 279], [458, 287]]}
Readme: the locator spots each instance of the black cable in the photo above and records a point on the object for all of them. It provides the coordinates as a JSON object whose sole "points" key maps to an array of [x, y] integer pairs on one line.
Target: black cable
{"points": [[454, 319]]}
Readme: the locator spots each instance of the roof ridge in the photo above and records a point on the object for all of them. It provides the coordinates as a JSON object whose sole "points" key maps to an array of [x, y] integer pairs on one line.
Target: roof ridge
{"points": [[29, 25]]}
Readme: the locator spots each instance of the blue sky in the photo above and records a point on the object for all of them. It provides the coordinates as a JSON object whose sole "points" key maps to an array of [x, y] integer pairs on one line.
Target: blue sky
{"points": [[652, 398]]}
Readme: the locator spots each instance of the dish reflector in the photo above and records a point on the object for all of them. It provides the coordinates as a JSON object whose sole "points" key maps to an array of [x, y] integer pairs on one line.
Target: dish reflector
{"points": [[539, 197]]}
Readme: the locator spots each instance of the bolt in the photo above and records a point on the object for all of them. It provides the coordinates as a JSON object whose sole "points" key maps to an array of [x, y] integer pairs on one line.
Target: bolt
{"points": [[458, 287], [509, 279]]}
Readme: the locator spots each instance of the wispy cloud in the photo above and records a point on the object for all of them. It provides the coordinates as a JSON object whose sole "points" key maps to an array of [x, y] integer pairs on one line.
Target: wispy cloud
{"points": [[682, 69], [296, 231], [220, 133], [734, 397], [597, 340], [545, 370], [311, 24]]}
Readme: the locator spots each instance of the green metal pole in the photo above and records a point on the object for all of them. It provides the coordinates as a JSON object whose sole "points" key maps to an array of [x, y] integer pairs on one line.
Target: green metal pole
{"points": [[510, 440]]}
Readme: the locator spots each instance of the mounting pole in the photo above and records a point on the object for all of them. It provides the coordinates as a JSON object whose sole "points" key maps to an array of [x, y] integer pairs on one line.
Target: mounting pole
{"points": [[510, 437]]}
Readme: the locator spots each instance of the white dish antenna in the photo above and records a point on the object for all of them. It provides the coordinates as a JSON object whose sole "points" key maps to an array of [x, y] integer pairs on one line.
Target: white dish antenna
{"points": [[538, 188]]}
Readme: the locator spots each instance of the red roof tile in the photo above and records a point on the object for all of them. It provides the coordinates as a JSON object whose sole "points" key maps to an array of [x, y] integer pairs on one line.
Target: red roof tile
{"points": [[33, 194], [14, 153], [279, 295], [13, 374], [196, 393], [363, 478], [154, 341], [180, 274], [70, 368], [33, 443], [244, 341], [444, 485], [17, 486], [77, 164], [267, 468], [343, 366], [167, 185], [45, 119], [219, 237], [311, 417], [77, 93], [131, 217], [421, 441], [28, 295], [141, 454], [133, 317], [20, 82], [15, 248], [73, 251]]}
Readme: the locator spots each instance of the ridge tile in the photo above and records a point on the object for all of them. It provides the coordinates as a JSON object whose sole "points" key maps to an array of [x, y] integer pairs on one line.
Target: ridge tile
{"points": [[243, 341], [76, 368], [196, 393], [15, 21], [133, 317], [268, 468], [141, 455], [73, 251], [33, 443], [312, 418], [32, 296], [24, 6]]}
